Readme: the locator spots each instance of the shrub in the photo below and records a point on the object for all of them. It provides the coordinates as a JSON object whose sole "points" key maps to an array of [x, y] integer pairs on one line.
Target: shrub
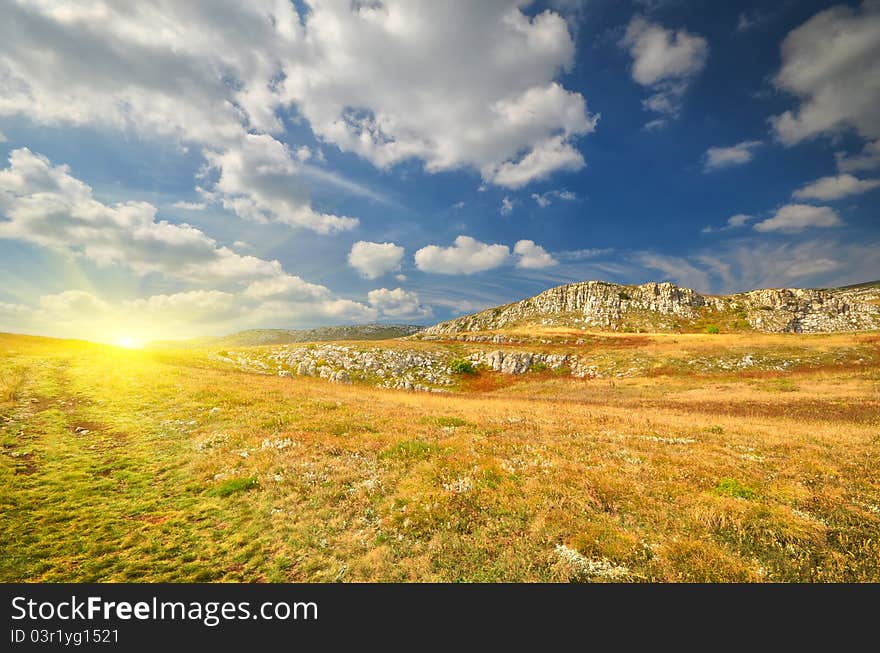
{"points": [[540, 366], [462, 366], [623, 296], [712, 328], [732, 488], [409, 450], [236, 485], [450, 421]]}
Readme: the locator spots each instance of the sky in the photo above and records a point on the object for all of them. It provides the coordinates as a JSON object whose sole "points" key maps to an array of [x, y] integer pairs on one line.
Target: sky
{"points": [[172, 169]]}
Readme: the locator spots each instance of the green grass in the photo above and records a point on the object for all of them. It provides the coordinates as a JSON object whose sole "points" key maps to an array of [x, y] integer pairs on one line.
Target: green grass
{"points": [[236, 485], [409, 450], [730, 487], [681, 476]]}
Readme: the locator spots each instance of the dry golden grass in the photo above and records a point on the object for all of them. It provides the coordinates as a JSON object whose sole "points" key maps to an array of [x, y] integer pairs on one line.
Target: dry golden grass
{"points": [[166, 466]]}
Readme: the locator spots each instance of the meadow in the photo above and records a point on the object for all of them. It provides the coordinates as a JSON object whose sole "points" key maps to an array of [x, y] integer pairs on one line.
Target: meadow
{"points": [[167, 465]]}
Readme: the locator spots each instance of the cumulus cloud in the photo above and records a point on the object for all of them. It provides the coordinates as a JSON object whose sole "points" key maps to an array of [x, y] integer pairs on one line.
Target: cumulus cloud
{"points": [[182, 70], [259, 181], [506, 206], [288, 287], [288, 299], [867, 159], [793, 218], [532, 256], [377, 78], [46, 205], [664, 61], [830, 64], [373, 260], [733, 222], [190, 206], [466, 256], [280, 313], [735, 155], [398, 303], [546, 199], [550, 156], [835, 187]]}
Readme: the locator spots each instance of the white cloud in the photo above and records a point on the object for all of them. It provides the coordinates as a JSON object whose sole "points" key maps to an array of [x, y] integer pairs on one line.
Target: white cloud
{"points": [[867, 159], [189, 206], [303, 153], [182, 70], [46, 205], [655, 125], [398, 303], [273, 313], [287, 287], [376, 79], [724, 157], [546, 199], [664, 61], [733, 222], [830, 64], [506, 206], [582, 254], [792, 218], [738, 220], [835, 187], [532, 256], [466, 256], [373, 260], [258, 180], [3, 138], [550, 156], [288, 299]]}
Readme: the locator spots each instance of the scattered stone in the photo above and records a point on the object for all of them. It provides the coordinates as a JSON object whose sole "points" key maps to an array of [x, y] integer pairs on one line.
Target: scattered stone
{"points": [[460, 485], [582, 567]]}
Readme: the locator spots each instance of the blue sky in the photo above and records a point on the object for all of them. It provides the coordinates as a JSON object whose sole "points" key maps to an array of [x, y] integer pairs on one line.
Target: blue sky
{"points": [[177, 169]]}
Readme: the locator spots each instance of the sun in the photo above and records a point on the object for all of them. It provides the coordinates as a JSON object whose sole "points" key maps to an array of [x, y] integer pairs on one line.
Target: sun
{"points": [[129, 343]]}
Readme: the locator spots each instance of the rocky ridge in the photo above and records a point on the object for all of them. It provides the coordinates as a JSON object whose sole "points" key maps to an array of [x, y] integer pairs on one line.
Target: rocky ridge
{"points": [[439, 370], [667, 307]]}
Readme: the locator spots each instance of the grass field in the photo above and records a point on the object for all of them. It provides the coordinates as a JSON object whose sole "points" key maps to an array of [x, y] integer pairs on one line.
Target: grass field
{"points": [[143, 465]]}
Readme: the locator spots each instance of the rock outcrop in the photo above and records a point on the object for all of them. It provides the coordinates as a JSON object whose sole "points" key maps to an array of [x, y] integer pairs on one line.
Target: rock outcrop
{"points": [[667, 307]]}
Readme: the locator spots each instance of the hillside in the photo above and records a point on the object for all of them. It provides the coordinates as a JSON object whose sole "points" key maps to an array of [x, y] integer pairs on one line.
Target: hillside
{"points": [[659, 307], [862, 292], [255, 337], [745, 457]]}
